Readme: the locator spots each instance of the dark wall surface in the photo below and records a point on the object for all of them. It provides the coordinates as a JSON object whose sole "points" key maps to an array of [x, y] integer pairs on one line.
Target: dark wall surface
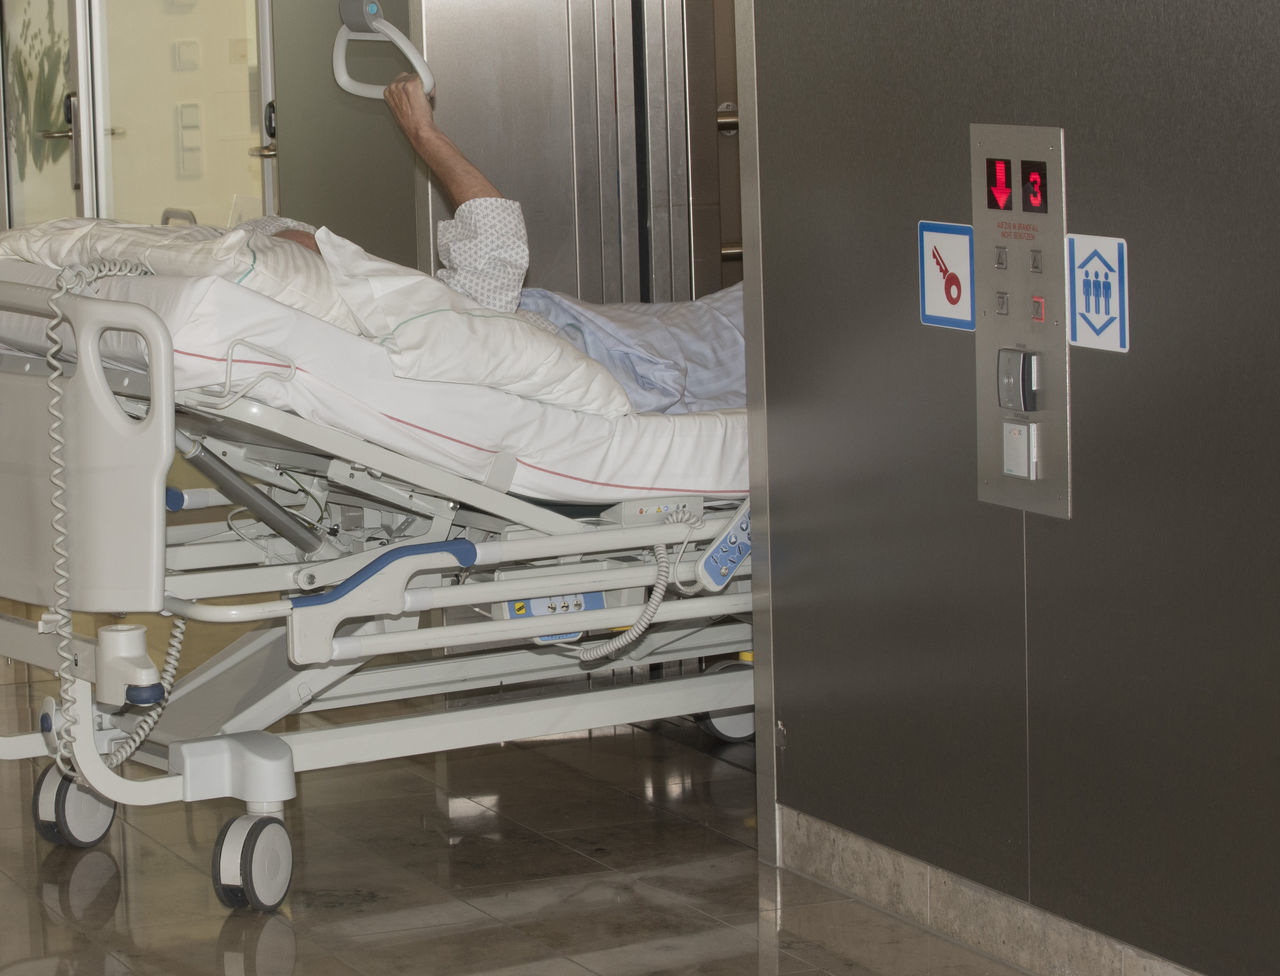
{"points": [[1083, 713], [343, 163]]}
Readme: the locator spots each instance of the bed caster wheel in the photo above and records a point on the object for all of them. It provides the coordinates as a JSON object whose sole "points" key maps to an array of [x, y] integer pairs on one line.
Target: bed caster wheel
{"points": [[252, 863], [729, 724], [67, 813]]}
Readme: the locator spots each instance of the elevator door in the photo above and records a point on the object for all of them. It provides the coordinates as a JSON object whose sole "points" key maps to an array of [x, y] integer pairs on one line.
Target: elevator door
{"points": [[341, 161]]}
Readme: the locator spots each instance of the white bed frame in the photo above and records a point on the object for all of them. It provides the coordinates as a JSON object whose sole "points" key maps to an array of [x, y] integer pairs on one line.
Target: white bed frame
{"points": [[409, 561]]}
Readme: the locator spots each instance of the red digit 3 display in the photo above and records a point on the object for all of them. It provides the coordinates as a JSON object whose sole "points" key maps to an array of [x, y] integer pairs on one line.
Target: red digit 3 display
{"points": [[1034, 191]]}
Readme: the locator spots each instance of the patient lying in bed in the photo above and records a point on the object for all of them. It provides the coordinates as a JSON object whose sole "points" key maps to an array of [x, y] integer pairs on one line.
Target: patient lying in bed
{"points": [[678, 357], [681, 357], [675, 357]]}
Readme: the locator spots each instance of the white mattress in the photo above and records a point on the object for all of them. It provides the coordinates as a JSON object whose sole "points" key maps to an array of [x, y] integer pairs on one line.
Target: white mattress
{"points": [[346, 382]]}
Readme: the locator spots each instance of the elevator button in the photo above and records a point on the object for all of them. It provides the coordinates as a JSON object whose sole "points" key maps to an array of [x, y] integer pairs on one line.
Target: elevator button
{"points": [[1037, 309], [1002, 258], [1037, 262], [1002, 303]]}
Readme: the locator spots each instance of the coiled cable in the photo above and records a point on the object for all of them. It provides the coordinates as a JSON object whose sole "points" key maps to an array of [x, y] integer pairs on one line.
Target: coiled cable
{"points": [[612, 646], [172, 656], [65, 728], [694, 522], [73, 276], [666, 577]]}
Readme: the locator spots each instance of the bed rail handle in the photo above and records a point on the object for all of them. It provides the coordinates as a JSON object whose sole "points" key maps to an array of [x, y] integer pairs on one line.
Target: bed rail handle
{"points": [[117, 464]]}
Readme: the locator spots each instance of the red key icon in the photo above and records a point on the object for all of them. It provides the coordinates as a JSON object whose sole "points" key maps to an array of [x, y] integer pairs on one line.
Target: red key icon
{"points": [[950, 280]]}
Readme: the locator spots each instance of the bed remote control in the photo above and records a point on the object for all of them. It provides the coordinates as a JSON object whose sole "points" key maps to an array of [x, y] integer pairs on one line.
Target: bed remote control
{"points": [[726, 555]]}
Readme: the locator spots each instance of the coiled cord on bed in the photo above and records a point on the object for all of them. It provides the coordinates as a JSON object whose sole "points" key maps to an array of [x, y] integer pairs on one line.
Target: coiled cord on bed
{"points": [[172, 656], [74, 276], [665, 578], [611, 647], [694, 522], [65, 728]]}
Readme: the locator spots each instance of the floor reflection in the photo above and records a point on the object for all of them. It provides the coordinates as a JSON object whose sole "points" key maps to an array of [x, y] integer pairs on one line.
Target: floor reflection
{"points": [[619, 852]]}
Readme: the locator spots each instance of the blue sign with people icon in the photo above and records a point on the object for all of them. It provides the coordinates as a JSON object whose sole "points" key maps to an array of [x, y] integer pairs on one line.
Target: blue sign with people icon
{"points": [[1098, 270]]}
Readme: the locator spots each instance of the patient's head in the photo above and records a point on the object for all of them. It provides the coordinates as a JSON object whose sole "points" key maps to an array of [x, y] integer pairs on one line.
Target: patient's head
{"points": [[302, 237]]}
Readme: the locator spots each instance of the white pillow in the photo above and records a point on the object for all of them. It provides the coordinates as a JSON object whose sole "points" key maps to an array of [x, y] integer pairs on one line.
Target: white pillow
{"points": [[432, 332], [280, 269]]}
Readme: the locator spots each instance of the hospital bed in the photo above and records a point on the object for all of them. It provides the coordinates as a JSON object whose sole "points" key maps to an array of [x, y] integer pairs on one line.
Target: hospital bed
{"points": [[428, 564]]}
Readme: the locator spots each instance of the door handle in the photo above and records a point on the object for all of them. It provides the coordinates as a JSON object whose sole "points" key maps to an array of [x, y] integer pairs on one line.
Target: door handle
{"points": [[264, 152], [70, 107], [114, 131]]}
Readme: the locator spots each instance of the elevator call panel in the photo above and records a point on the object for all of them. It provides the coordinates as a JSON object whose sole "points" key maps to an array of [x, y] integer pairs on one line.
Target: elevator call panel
{"points": [[1020, 334]]}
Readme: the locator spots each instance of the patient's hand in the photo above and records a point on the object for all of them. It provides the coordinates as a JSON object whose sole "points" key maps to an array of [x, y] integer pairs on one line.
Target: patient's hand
{"points": [[302, 237], [409, 104]]}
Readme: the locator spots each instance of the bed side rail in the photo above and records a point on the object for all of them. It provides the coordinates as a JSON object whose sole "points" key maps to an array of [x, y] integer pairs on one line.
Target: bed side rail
{"points": [[115, 465]]}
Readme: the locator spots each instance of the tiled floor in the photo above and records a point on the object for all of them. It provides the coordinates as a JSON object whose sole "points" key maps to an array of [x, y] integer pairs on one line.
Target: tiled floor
{"points": [[620, 852]]}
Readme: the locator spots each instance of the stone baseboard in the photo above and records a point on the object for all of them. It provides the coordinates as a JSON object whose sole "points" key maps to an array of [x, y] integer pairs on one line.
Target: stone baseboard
{"points": [[996, 924]]}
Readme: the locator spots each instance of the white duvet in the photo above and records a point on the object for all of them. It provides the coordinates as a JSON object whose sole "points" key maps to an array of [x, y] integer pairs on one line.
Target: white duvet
{"points": [[588, 452], [429, 331]]}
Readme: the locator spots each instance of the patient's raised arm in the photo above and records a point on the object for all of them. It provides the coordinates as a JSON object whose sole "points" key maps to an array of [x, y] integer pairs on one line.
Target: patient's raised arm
{"points": [[458, 177]]}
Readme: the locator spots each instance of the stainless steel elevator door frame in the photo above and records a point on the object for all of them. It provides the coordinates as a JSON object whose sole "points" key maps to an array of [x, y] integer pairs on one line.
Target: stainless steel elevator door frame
{"points": [[540, 97]]}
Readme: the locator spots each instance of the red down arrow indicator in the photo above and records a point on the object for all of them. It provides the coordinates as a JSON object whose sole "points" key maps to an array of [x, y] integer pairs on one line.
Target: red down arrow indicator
{"points": [[998, 189]]}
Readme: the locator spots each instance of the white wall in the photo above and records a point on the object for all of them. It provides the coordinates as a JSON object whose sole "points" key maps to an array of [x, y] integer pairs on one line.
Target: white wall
{"points": [[146, 87]]}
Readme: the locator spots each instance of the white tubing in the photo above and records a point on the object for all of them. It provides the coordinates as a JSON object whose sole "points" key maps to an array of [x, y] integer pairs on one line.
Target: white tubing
{"points": [[530, 587], [219, 614], [600, 540], [370, 645], [89, 766], [26, 745]]}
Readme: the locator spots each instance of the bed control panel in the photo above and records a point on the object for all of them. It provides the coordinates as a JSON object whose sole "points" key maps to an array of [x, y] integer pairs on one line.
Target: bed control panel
{"points": [[1021, 336], [726, 555], [653, 511], [549, 595], [557, 606]]}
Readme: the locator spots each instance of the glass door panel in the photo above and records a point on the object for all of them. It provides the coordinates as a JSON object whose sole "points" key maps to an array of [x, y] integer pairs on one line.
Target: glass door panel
{"points": [[38, 144]]}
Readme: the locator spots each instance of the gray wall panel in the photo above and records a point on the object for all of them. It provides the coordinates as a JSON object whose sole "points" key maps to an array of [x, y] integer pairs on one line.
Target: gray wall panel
{"points": [[1099, 739], [1153, 618], [900, 680]]}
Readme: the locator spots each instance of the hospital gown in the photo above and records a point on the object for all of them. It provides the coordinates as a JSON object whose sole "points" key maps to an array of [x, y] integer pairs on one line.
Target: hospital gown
{"points": [[674, 357]]}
